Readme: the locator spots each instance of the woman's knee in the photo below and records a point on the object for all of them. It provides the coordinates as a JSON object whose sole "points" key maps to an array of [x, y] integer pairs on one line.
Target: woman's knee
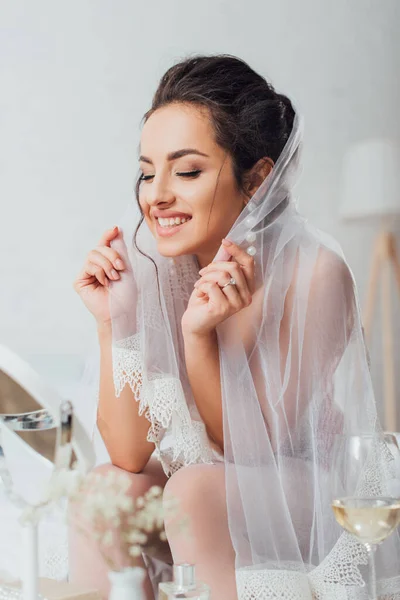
{"points": [[140, 483], [183, 485], [195, 490], [194, 483], [199, 493]]}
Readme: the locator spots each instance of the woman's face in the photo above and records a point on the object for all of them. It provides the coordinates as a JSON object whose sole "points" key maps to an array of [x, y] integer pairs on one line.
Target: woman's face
{"points": [[188, 195]]}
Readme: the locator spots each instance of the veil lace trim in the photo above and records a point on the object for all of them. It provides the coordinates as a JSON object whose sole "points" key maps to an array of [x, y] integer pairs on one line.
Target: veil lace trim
{"points": [[263, 584], [338, 577], [306, 379], [162, 401]]}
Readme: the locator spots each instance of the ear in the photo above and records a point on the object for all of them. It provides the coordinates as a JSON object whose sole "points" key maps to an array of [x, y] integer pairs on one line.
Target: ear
{"points": [[256, 175]]}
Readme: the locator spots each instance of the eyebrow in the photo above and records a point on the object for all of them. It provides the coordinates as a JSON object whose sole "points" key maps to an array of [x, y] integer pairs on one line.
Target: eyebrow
{"points": [[175, 155]]}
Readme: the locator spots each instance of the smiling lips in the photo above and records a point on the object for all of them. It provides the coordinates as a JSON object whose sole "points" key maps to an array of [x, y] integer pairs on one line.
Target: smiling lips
{"points": [[172, 221], [167, 226]]}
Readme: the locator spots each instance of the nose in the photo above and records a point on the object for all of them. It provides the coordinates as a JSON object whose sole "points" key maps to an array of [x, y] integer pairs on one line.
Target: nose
{"points": [[158, 193]]}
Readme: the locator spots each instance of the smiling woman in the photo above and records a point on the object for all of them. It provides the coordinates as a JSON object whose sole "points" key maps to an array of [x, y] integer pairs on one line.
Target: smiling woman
{"points": [[231, 347], [180, 180]]}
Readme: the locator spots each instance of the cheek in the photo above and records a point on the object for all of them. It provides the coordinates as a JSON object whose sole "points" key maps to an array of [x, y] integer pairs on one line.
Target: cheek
{"points": [[227, 205], [144, 207], [209, 194]]}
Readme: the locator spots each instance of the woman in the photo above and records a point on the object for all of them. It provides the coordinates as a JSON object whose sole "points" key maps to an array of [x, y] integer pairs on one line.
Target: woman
{"points": [[236, 326]]}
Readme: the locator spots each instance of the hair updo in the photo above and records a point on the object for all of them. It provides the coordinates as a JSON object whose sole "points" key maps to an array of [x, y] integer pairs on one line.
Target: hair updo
{"points": [[250, 119]]}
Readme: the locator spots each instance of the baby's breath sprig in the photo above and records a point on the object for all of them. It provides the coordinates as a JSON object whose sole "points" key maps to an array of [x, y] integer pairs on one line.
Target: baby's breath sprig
{"points": [[122, 527]]}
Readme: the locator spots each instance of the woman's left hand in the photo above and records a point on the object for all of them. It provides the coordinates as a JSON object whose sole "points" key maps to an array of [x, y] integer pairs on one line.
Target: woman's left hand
{"points": [[210, 303]]}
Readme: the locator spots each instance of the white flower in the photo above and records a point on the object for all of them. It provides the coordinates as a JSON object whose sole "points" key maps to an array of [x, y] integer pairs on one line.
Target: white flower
{"points": [[136, 537], [126, 504], [107, 538], [135, 551], [105, 506]]}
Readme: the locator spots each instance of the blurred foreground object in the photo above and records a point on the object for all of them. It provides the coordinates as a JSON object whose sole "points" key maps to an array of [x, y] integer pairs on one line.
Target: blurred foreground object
{"points": [[40, 439], [57, 590], [372, 192]]}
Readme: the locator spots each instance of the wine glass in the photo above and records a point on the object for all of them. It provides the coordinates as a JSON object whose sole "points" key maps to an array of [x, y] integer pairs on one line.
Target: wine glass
{"points": [[366, 490]]}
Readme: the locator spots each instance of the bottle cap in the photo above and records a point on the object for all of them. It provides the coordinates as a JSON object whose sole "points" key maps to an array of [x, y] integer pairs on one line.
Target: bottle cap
{"points": [[184, 575]]}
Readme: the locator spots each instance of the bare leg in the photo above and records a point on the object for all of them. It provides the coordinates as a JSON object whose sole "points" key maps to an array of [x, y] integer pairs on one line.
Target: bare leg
{"points": [[200, 490], [86, 566]]}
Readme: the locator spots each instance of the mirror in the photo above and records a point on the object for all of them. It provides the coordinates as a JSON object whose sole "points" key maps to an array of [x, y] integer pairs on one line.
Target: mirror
{"points": [[39, 436], [15, 400]]}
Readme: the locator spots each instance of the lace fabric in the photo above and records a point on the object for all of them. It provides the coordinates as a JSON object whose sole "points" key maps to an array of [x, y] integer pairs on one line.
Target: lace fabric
{"points": [[268, 584], [179, 440], [294, 373], [339, 573], [338, 577]]}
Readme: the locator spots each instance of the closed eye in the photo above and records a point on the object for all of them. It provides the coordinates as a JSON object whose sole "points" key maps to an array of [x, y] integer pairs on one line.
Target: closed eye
{"points": [[189, 174]]}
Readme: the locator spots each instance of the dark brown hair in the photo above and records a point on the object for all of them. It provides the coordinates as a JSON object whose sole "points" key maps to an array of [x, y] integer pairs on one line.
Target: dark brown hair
{"points": [[250, 119]]}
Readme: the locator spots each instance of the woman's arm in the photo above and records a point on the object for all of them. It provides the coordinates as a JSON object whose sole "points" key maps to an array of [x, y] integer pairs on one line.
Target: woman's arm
{"points": [[214, 300], [124, 432], [315, 331], [202, 365]]}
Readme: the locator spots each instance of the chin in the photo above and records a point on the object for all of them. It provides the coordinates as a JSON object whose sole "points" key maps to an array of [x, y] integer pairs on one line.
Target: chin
{"points": [[171, 249]]}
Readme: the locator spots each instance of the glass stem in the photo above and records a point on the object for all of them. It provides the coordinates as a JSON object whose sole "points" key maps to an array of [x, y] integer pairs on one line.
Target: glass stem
{"points": [[371, 548]]}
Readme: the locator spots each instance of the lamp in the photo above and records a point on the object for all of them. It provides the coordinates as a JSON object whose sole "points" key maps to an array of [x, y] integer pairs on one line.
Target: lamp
{"points": [[372, 192]]}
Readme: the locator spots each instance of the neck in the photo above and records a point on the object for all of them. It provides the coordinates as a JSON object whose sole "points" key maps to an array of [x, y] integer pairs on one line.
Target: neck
{"points": [[205, 258]]}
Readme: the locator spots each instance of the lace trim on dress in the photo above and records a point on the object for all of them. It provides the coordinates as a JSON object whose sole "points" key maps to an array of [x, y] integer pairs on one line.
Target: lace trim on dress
{"points": [[338, 577], [339, 572], [266, 584], [162, 400]]}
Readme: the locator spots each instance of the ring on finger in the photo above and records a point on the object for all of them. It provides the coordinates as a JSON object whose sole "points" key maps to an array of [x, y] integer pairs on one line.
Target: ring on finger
{"points": [[232, 281]]}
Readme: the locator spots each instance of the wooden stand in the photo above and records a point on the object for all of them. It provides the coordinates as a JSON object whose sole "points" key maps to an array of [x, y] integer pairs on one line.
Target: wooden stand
{"points": [[384, 258]]}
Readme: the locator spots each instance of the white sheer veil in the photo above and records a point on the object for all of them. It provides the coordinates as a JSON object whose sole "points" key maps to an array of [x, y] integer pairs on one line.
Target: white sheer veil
{"points": [[294, 373]]}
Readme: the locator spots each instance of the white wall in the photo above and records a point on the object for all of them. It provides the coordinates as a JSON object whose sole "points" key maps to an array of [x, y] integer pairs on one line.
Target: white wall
{"points": [[76, 78]]}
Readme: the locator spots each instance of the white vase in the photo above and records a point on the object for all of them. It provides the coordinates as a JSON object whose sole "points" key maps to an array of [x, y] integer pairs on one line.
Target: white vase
{"points": [[127, 584]]}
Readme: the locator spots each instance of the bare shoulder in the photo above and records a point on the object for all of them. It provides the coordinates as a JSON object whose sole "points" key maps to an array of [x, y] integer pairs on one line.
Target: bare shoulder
{"points": [[331, 274], [325, 284], [329, 262]]}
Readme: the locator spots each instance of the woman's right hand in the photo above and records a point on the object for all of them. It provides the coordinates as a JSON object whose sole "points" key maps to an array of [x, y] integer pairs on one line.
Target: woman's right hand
{"points": [[102, 265]]}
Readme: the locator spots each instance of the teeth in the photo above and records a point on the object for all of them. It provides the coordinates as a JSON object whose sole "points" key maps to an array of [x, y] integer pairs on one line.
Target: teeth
{"points": [[172, 221]]}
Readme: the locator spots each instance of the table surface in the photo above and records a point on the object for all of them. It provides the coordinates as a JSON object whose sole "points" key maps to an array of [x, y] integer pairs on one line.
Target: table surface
{"points": [[62, 590]]}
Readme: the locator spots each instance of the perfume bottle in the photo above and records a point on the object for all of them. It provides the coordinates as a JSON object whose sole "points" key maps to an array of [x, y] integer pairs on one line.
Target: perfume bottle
{"points": [[184, 585]]}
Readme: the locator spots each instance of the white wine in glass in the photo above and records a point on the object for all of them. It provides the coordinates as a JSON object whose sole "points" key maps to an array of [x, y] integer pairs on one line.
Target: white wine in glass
{"points": [[372, 520], [357, 506]]}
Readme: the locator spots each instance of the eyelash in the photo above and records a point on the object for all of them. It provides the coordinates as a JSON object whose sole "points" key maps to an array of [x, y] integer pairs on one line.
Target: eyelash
{"points": [[188, 174]]}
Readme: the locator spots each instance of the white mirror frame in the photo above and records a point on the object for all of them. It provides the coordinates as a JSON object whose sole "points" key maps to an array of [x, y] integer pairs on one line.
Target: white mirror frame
{"points": [[71, 436]]}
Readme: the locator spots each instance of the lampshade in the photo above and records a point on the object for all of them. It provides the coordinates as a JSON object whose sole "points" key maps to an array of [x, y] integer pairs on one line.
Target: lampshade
{"points": [[371, 180]]}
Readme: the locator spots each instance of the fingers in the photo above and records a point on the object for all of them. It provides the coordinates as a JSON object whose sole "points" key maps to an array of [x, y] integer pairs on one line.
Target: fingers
{"points": [[242, 268], [108, 236], [113, 256], [222, 277], [99, 260], [246, 261], [225, 300], [103, 263], [97, 272], [217, 300]]}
